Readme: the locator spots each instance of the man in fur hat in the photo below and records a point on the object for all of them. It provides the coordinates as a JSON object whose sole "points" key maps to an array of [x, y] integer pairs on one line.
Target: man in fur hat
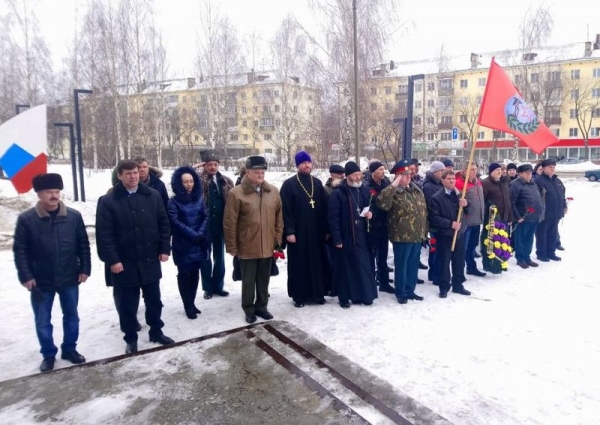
{"points": [[216, 188], [52, 256]]}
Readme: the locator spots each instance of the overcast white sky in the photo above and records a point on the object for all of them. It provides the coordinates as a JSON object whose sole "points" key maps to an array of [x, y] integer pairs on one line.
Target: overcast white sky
{"points": [[464, 26]]}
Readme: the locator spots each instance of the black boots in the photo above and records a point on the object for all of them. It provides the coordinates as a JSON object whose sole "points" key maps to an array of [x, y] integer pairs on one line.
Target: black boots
{"points": [[73, 356], [187, 283], [47, 364]]}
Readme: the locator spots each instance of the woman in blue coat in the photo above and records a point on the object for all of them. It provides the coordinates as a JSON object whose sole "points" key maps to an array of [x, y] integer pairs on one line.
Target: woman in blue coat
{"points": [[189, 224]]}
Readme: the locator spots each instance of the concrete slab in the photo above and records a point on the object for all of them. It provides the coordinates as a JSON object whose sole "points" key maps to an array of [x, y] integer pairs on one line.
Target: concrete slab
{"points": [[267, 373]]}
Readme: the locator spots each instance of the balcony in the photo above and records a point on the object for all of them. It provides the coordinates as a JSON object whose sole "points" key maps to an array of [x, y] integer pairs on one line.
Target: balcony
{"points": [[444, 126], [553, 121], [266, 128]]}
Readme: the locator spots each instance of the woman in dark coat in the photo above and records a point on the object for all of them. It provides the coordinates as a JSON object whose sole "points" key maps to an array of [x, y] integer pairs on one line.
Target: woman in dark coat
{"points": [[189, 223]]}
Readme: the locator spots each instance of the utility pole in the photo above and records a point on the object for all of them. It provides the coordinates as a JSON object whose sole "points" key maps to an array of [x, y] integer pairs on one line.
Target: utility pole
{"points": [[356, 139], [76, 94]]}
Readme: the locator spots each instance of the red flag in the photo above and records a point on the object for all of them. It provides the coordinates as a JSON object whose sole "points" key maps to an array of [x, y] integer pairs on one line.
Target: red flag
{"points": [[503, 108]]}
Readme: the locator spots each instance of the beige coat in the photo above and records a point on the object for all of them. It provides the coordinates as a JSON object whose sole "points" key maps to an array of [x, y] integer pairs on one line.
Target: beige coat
{"points": [[253, 222]]}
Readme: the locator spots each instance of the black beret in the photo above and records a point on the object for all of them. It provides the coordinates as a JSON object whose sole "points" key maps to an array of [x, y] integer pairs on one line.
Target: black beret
{"points": [[47, 181]]}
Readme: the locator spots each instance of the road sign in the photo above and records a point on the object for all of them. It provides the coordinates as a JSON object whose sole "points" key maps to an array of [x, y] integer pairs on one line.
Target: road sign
{"points": [[454, 133]]}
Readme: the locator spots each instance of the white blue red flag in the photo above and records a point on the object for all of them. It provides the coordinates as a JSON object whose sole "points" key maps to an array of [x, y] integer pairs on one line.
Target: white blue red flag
{"points": [[23, 147]]}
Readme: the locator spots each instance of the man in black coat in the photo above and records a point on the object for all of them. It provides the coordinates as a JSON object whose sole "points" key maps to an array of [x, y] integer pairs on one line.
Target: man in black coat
{"points": [[378, 233], [133, 236], [431, 185], [443, 212], [552, 190], [52, 256], [527, 211]]}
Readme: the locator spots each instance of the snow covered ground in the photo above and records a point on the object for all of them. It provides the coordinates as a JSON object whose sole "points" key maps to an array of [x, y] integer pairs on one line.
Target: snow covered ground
{"points": [[523, 349]]}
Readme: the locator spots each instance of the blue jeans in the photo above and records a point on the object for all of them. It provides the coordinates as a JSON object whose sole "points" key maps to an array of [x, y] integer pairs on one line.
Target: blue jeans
{"points": [[42, 310], [471, 243], [406, 267], [523, 236], [213, 272]]}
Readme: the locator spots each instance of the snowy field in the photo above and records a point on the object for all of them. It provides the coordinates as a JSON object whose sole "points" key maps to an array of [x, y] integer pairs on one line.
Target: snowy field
{"points": [[523, 349]]}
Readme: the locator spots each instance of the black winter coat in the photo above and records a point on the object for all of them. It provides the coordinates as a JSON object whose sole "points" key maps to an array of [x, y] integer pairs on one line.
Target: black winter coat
{"points": [[498, 193], [553, 194], [342, 214], [431, 186], [443, 210], [188, 216], [132, 230], [53, 251], [379, 221], [524, 196], [157, 184]]}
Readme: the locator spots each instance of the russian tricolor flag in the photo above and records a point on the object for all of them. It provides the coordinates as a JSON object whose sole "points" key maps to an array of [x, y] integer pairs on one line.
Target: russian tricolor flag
{"points": [[23, 147]]}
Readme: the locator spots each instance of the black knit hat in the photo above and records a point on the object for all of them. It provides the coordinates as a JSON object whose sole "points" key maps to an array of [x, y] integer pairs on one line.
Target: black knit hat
{"points": [[210, 155], [47, 181], [374, 166], [256, 163], [511, 166], [493, 166], [351, 167]]}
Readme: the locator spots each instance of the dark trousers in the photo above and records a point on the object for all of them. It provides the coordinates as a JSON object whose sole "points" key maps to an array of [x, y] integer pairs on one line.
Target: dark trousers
{"points": [[432, 273], [546, 236], [128, 300], [523, 240], [187, 282], [406, 268], [213, 272], [471, 243], [256, 274], [380, 247], [41, 302], [445, 258]]}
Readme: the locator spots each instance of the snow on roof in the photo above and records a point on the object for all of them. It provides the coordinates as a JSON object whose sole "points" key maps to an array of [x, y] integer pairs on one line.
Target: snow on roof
{"points": [[505, 58]]}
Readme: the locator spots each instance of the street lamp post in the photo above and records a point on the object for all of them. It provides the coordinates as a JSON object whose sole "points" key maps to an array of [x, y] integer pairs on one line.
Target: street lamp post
{"points": [[76, 94], [19, 106], [72, 154], [407, 140]]}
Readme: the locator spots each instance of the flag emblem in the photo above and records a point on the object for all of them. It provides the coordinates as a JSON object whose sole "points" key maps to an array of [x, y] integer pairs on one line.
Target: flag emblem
{"points": [[519, 116]]}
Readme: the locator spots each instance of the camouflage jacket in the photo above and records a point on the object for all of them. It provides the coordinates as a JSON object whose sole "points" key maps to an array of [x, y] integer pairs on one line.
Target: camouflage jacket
{"points": [[407, 213]]}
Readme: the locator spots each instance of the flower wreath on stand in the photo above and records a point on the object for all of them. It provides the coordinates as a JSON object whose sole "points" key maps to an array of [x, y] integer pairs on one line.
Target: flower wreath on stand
{"points": [[500, 243]]}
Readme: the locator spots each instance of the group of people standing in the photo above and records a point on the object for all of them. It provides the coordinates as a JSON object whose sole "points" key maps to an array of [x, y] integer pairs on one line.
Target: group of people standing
{"points": [[336, 236]]}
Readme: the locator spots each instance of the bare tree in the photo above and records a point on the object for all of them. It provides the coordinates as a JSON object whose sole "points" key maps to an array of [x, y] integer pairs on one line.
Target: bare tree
{"points": [[585, 97], [467, 111]]}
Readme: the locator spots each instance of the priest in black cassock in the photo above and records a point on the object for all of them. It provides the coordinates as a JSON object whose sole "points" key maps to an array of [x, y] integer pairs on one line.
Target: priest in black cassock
{"points": [[305, 233], [353, 270]]}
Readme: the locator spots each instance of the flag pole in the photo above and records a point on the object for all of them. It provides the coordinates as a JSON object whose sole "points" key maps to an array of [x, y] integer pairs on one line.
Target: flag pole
{"points": [[464, 190]]}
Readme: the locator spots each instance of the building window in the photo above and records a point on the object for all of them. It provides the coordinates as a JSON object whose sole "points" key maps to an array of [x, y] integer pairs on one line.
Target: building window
{"points": [[481, 135], [572, 113], [255, 109], [463, 119], [445, 102], [266, 109], [463, 135], [234, 137], [418, 104], [595, 132], [244, 123], [464, 101], [310, 111], [231, 122], [596, 92], [388, 90], [430, 137], [276, 93], [266, 93], [573, 132], [243, 95], [596, 72], [481, 82], [373, 106], [518, 79], [276, 108], [295, 109], [184, 99], [173, 99], [446, 84], [596, 113], [418, 121], [203, 123], [268, 137], [498, 134], [554, 75], [446, 135], [464, 84], [255, 123], [479, 99], [373, 91], [402, 88], [277, 123], [430, 120], [556, 131], [388, 106], [535, 78], [245, 137], [430, 103], [244, 110], [430, 86], [574, 94], [574, 74], [418, 87], [267, 122], [446, 120]]}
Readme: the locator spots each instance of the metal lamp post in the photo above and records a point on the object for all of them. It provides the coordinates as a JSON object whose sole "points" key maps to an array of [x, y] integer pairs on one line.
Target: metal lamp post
{"points": [[76, 94], [72, 154], [407, 139]]}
